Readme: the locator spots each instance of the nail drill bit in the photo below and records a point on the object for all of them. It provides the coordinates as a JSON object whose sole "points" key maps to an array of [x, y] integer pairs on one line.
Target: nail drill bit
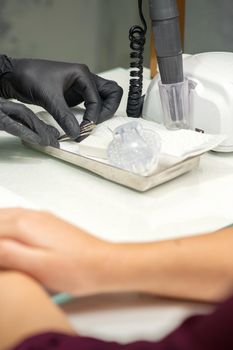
{"points": [[86, 129]]}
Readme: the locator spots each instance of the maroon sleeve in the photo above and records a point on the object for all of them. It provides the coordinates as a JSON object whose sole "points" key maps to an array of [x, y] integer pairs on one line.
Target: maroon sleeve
{"points": [[211, 332]]}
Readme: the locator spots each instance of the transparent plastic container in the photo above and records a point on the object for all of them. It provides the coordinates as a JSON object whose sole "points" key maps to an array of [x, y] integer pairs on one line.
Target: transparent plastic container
{"points": [[134, 148], [175, 104]]}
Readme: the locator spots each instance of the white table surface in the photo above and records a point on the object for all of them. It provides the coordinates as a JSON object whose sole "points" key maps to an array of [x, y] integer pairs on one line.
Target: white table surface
{"points": [[197, 202]]}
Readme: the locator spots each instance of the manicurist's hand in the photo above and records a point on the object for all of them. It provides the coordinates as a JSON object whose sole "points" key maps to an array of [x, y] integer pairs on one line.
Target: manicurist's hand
{"points": [[56, 86], [18, 120], [57, 254]]}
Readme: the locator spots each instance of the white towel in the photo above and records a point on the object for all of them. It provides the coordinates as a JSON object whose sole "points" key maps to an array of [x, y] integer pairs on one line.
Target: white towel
{"points": [[176, 145]]}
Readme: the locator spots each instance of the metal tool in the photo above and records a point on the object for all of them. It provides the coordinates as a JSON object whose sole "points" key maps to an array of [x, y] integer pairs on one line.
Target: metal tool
{"points": [[86, 129]]}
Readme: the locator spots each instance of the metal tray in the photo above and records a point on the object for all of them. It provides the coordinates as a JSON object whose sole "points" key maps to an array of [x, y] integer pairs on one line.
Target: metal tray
{"points": [[125, 178]]}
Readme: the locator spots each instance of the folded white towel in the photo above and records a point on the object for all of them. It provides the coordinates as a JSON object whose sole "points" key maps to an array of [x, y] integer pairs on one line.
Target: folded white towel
{"points": [[176, 145]]}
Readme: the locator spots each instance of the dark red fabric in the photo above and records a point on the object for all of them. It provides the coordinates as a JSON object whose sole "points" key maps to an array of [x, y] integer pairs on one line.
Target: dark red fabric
{"points": [[210, 332]]}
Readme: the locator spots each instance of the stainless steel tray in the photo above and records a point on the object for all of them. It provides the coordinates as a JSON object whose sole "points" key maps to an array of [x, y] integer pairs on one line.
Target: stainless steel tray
{"points": [[125, 178]]}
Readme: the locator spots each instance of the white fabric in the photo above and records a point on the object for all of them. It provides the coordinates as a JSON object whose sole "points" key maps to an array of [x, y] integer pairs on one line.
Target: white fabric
{"points": [[176, 145]]}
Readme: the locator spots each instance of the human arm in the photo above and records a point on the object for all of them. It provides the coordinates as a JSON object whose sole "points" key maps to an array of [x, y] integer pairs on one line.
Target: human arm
{"points": [[26, 310], [29, 320], [56, 86], [199, 268]]}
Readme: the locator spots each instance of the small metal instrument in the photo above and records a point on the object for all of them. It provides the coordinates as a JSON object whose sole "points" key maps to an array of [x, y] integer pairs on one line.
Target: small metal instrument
{"points": [[86, 129]]}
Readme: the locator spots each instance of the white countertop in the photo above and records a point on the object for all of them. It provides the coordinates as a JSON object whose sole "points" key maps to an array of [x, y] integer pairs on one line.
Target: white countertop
{"points": [[196, 202]]}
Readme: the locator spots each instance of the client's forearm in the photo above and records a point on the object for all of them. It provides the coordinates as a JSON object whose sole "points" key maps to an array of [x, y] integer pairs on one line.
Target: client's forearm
{"points": [[26, 310], [198, 267]]}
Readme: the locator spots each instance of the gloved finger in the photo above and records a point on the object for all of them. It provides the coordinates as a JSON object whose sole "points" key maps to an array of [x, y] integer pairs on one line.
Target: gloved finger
{"points": [[51, 129], [111, 94], [14, 128], [58, 108], [86, 87], [72, 98], [25, 116]]}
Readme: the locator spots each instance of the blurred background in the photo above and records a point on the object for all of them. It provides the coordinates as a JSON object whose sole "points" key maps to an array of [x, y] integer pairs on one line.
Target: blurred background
{"points": [[95, 32]]}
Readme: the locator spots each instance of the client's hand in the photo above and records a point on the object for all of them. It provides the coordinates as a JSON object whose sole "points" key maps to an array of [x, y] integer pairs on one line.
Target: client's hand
{"points": [[59, 255]]}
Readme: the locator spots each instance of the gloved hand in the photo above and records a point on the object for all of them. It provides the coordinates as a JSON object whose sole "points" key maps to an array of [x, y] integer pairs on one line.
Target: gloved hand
{"points": [[56, 86], [18, 120]]}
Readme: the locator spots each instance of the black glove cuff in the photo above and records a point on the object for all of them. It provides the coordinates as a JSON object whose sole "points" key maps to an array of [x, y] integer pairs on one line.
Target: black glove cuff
{"points": [[6, 65]]}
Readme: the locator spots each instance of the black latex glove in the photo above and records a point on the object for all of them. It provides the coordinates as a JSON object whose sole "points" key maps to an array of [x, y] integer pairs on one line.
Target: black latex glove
{"points": [[56, 86], [18, 120]]}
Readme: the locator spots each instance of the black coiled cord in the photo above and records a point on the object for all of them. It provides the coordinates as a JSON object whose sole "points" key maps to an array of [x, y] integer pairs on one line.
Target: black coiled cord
{"points": [[137, 37]]}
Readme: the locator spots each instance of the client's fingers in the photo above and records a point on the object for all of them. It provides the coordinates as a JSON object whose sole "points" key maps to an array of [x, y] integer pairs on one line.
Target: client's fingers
{"points": [[54, 271], [17, 256], [12, 213], [12, 220]]}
